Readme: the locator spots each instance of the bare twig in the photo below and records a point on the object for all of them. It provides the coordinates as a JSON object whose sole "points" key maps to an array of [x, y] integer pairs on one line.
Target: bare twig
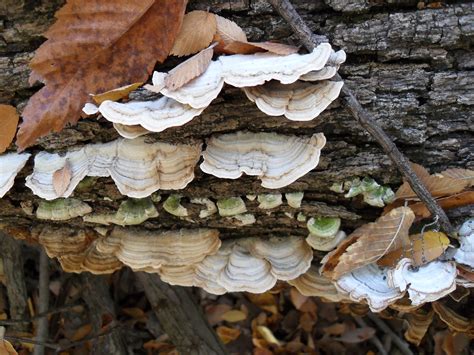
{"points": [[288, 12], [40, 315], [374, 340], [401, 344], [43, 303]]}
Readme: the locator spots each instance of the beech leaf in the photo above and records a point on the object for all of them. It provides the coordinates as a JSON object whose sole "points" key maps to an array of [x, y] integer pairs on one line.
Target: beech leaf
{"points": [[189, 69], [9, 118], [437, 185], [62, 178], [370, 242], [421, 249], [228, 31], [95, 46], [460, 174], [227, 334], [115, 94], [196, 33], [237, 47]]}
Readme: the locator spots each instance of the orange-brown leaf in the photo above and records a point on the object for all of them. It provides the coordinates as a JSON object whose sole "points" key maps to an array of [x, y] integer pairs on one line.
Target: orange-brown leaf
{"points": [[9, 119], [62, 179], [6, 348], [227, 334], [95, 46], [374, 240], [422, 249], [460, 174], [237, 47], [437, 185], [115, 94], [189, 69], [227, 31], [196, 33], [458, 200]]}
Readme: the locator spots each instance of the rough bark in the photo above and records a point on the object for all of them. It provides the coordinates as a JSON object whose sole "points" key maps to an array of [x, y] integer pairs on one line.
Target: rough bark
{"points": [[180, 317]]}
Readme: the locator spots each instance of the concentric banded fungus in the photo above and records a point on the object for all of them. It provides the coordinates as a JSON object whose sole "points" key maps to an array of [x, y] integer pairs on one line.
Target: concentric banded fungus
{"points": [[245, 219], [62, 209], [142, 250], [231, 206], [325, 243], [374, 194], [199, 92], [155, 116], [311, 283], [324, 226], [269, 201], [130, 212], [426, 283], [277, 160], [250, 70], [173, 206], [10, 165], [130, 132], [294, 199], [210, 207], [137, 168], [300, 101], [465, 254], [332, 66], [253, 264], [182, 275], [369, 283]]}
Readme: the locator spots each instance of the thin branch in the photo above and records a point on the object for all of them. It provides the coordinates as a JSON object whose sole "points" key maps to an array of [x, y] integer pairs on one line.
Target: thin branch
{"points": [[288, 12], [43, 303], [40, 315], [374, 340], [402, 345]]}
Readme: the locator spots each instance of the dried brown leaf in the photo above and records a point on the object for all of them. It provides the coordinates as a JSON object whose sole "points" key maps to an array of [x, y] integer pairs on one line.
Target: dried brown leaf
{"points": [[374, 240], [62, 178], [297, 298], [460, 174], [437, 185], [9, 119], [357, 335], [229, 31], [189, 69], [234, 316], [196, 33], [227, 334], [115, 94], [95, 46], [237, 47], [214, 313], [421, 249], [6, 348]]}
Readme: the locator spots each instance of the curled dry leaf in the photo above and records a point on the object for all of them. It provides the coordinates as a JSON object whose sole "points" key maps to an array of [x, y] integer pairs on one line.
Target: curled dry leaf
{"points": [[9, 118], [62, 178], [196, 33], [370, 242], [115, 94], [189, 69], [227, 334], [95, 46], [238, 47], [437, 185], [421, 249]]}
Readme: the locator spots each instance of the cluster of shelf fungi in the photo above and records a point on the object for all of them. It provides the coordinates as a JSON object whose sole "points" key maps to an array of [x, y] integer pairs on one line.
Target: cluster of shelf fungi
{"points": [[297, 86]]}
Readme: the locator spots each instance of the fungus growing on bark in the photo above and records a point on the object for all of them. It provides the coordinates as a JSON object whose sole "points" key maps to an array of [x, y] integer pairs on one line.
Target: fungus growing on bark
{"points": [[10, 165], [369, 283], [373, 193], [130, 132], [323, 226], [138, 168], [269, 201], [210, 207], [277, 160], [173, 206], [325, 243], [231, 206], [465, 253], [301, 101], [294, 199], [130, 212], [245, 219], [62, 209], [332, 66], [427, 283]]}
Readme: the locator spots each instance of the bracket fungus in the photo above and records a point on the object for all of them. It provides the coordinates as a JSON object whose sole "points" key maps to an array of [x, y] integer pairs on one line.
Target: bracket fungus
{"points": [[245, 219], [269, 201], [325, 243], [131, 212], [130, 132], [62, 209], [426, 283], [300, 101], [324, 226], [311, 283], [231, 206], [137, 168], [173, 206], [332, 66], [277, 160], [250, 70], [369, 284], [373, 193], [465, 253], [10, 165], [294, 199], [210, 207]]}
